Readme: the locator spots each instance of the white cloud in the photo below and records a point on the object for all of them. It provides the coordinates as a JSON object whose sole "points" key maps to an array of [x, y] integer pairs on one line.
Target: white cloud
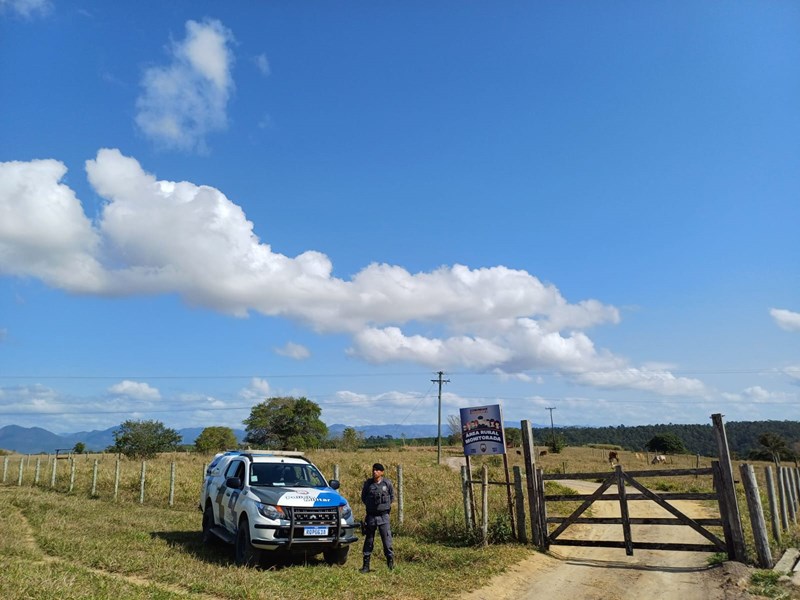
{"points": [[43, 230], [155, 236], [295, 351], [793, 372], [257, 390], [262, 64], [786, 319], [186, 100], [26, 8], [135, 390]]}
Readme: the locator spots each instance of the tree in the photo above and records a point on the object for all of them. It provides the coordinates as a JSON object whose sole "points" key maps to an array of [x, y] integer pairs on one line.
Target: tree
{"points": [[215, 439], [775, 445], [668, 443], [351, 440], [513, 436], [454, 423], [144, 439], [79, 448], [286, 423]]}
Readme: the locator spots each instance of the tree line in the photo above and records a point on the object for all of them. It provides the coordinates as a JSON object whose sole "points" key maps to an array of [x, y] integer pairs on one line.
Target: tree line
{"points": [[289, 423]]}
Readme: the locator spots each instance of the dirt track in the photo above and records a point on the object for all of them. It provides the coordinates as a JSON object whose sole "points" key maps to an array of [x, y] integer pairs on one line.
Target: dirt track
{"points": [[574, 573]]}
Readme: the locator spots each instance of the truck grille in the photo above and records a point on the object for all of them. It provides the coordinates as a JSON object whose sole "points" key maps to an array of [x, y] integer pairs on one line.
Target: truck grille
{"points": [[316, 516]]}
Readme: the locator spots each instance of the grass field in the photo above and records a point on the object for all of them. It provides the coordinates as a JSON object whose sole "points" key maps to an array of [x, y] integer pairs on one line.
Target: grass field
{"points": [[71, 545]]}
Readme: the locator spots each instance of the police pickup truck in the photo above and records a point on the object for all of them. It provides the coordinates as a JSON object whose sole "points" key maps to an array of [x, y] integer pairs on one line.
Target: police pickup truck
{"points": [[274, 504]]}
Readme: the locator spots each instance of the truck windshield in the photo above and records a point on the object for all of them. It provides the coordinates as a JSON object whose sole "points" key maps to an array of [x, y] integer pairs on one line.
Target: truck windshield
{"points": [[283, 475]]}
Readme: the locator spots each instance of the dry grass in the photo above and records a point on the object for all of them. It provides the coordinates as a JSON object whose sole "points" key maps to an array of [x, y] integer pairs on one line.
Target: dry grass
{"points": [[101, 548]]}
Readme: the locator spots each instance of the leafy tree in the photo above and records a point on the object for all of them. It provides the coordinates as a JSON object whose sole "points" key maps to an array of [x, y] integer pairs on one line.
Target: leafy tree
{"points": [[513, 436], [351, 439], [215, 439], [557, 444], [286, 423], [775, 445], [144, 439], [668, 443], [79, 448]]}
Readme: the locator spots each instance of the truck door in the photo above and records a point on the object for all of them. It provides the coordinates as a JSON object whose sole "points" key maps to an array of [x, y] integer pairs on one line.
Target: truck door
{"points": [[230, 496]]}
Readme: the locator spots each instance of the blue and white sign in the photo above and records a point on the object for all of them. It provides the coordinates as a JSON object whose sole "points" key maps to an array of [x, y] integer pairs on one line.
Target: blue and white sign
{"points": [[482, 430]]}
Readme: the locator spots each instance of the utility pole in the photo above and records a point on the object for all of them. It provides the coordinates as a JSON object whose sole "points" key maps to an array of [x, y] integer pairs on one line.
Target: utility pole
{"points": [[440, 381], [552, 428]]}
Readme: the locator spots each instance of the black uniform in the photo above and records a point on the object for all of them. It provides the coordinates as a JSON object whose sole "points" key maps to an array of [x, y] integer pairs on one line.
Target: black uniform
{"points": [[378, 498]]}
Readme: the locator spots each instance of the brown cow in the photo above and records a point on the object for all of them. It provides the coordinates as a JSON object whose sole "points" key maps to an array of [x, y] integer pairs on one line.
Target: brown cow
{"points": [[658, 459], [612, 457], [543, 453]]}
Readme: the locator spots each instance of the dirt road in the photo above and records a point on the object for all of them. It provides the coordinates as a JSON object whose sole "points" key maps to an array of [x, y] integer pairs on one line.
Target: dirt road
{"points": [[574, 573]]}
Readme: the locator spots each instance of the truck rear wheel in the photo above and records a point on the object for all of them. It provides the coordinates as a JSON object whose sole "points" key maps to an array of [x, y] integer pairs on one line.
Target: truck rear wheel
{"points": [[336, 556], [246, 554]]}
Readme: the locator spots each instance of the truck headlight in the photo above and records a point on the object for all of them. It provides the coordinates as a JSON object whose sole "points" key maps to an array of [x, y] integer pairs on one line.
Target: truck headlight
{"points": [[270, 512], [347, 512]]}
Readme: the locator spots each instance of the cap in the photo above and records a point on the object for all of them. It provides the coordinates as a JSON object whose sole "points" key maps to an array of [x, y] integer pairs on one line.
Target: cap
{"points": [[378, 467]]}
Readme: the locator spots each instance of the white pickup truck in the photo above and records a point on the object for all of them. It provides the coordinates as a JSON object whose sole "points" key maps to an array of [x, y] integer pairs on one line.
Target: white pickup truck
{"points": [[274, 502]]}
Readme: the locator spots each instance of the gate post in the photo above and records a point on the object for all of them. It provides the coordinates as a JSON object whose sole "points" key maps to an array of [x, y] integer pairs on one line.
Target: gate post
{"points": [[727, 492], [530, 474]]}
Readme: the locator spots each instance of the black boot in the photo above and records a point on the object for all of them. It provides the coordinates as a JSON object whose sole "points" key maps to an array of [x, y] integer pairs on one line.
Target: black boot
{"points": [[390, 563], [365, 568]]}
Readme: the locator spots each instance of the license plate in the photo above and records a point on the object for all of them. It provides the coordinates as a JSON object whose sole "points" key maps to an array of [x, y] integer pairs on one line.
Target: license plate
{"points": [[315, 531]]}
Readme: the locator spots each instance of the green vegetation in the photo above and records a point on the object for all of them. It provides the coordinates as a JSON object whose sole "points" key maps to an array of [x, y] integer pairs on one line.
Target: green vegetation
{"points": [[667, 443], [698, 439], [215, 439], [286, 423], [98, 548], [351, 440], [144, 439], [765, 583]]}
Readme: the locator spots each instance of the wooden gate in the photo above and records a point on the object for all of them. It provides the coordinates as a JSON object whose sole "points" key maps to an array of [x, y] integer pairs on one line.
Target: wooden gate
{"points": [[617, 482]]}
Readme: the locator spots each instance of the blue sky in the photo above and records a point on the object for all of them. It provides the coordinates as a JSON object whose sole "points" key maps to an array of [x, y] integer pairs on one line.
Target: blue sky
{"points": [[580, 205]]}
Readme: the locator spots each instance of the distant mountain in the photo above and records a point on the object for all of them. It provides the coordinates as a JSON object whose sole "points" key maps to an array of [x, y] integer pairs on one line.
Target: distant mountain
{"points": [[396, 431], [33, 440]]}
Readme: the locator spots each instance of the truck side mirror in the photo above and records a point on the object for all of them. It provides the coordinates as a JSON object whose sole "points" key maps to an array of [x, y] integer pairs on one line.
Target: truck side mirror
{"points": [[233, 482], [334, 483]]}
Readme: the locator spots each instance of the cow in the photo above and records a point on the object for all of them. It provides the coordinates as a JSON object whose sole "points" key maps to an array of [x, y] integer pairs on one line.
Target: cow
{"points": [[658, 459], [542, 453], [613, 457]]}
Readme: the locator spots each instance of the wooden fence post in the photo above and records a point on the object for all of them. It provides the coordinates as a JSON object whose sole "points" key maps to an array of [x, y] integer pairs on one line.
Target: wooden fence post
{"points": [[94, 478], [470, 526], [116, 480], [728, 490], [782, 497], [773, 505], [400, 496], [37, 471], [21, 470], [485, 503], [336, 472], [5, 468], [172, 484], [530, 475], [756, 516], [791, 501], [71, 474], [519, 497], [141, 482], [53, 472]]}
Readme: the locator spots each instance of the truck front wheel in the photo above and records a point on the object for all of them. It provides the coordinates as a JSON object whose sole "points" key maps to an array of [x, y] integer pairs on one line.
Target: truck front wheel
{"points": [[246, 554], [336, 556]]}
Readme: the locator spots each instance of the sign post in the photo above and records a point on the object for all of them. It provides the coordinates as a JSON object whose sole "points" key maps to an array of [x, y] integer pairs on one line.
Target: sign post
{"points": [[482, 433]]}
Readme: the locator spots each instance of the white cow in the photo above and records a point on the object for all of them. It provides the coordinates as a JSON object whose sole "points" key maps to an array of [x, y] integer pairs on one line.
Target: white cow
{"points": [[658, 459]]}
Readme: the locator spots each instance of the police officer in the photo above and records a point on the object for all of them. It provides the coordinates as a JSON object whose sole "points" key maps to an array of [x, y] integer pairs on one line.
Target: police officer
{"points": [[377, 494]]}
